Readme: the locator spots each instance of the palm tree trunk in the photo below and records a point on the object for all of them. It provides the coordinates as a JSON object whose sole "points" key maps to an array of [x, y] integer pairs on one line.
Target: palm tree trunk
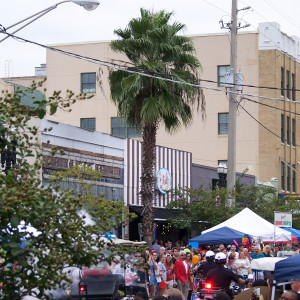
{"points": [[148, 179]]}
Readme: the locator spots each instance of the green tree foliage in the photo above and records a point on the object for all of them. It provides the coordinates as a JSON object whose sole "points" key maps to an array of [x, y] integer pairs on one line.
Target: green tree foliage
{"points": [[153, 46], [200, 209], [60, 236]]}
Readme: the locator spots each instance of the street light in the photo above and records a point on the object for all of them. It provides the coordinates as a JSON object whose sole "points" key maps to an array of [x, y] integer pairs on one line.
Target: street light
{"points": [[86, 4], [222, 172]]}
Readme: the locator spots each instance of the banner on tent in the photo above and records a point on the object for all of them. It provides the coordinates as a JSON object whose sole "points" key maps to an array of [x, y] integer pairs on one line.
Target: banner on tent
{"points": [[283, 219]]}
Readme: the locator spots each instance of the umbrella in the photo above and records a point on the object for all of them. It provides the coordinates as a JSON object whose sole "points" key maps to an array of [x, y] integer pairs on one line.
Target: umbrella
{"points": [[288, 268], [265, 263]]}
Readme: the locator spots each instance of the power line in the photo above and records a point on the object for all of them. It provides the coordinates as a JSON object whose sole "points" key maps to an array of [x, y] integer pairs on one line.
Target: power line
{"points": [[144, 73], [264, 126], [274, 107]]}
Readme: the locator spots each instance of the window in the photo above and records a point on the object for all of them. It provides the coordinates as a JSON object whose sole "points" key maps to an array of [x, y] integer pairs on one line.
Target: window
{"points": [[282, 81], [288, 178], [88, 123], [294, 179], [282, 176], [88, 83], [221, 74], [222, 162], [294, 132], [282, 128], [121, 129], [288, 133], [223, 123], [287, 84], [293, 87]]}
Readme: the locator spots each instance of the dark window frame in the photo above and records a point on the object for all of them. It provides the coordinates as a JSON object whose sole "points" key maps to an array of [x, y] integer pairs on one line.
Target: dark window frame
{"points": [[88, 83], [293, 179], [288, 178], [282, 128], [288, 130], [89, 121], [287, 80], [293, 132], [282, 176], [293, 87], [282, 81], [223, 126], [123, 130], [219, 77]]}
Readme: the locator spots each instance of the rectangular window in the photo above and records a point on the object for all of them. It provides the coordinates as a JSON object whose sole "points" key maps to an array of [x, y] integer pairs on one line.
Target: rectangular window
{"points": [[293, 87], [294, 179], [294, 132], [223, 123], [121, 129], [282, 81], [88, 123], [282, 128], [282, 176], [288, 178], [288, 133], [221, 74], [222, 162], [88, 83], [287, 84]]}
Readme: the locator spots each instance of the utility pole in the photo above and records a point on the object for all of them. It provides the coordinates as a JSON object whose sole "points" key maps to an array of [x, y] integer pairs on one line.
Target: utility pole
{"points": [[231, 163], [233, 26]]}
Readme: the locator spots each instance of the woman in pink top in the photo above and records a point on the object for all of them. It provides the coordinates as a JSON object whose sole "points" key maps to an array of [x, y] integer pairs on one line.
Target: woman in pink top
{"points": [[170, 271]]}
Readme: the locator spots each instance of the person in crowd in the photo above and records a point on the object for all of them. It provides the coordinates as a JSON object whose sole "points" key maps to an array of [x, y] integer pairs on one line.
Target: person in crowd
{"points": [[221, 277], [242, 266], [195, 258], [233, 252], [155, 246], [230, 262], [153, 271], [276, 250], [296, 285], [258, 273], [290, 295], [162, 251], [267, 251], [247, 254], [161, 243], [161, 277], [182, 274], [191, 271], [208, 265], [225, 252], [288, 247], [221, 247], [296, 249], [173, 293], [170, 271], [241, 247], [175, 254]]}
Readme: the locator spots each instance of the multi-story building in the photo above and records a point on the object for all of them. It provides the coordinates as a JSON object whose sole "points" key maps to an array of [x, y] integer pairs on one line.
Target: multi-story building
{"points": [[268, 134]]}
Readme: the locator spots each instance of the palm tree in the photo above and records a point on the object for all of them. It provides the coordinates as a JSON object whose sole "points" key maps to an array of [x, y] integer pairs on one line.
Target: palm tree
{"points": [[153, 47]]}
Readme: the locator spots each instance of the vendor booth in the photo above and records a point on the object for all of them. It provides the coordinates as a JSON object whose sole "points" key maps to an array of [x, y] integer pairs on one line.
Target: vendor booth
{"points": [[252, 224], [224, 235], [295, 234]]}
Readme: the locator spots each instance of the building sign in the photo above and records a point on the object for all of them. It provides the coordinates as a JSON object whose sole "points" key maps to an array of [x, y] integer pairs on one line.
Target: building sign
{"points": [[282, 219], [163, 178]]}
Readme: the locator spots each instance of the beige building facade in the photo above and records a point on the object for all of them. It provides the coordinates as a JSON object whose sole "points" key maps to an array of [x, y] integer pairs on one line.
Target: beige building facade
{"points": [[268, 132]]}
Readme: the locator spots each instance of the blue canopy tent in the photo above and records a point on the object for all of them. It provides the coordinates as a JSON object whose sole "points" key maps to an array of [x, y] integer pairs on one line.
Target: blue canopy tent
{"points": [[224, 235], [288, 268], [295, 234]]}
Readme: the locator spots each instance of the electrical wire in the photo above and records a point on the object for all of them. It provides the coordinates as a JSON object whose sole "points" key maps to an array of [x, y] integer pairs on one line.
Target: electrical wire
{"points": [[143, 73], [265, 127], [270, 106]]}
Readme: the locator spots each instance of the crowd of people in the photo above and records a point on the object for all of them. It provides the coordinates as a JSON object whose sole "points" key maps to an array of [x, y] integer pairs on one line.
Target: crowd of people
{"points": [[177, 266]]}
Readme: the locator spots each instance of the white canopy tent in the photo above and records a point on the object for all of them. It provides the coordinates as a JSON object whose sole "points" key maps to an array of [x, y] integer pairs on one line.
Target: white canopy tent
{"points": [[250, 223]]}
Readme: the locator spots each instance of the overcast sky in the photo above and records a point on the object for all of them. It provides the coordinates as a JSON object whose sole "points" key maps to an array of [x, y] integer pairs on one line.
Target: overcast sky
{"points": [[71, 23]]}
